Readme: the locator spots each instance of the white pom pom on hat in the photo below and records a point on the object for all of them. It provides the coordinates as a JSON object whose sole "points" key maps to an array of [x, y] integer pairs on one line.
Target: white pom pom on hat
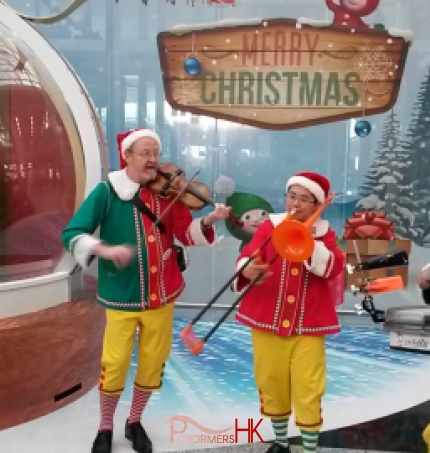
{"points": [[224, 186]]}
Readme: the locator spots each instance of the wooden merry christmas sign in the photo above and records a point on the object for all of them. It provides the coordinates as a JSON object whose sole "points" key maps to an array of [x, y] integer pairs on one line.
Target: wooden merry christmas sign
{"points": [[282, 73]]}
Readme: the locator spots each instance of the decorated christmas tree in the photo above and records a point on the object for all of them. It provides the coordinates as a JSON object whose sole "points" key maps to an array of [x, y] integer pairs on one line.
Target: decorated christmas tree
{"points": [[417, 175]]}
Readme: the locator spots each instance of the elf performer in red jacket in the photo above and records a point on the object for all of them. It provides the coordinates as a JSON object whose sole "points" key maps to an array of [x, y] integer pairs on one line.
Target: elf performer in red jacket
{"points": [[290, 310]]}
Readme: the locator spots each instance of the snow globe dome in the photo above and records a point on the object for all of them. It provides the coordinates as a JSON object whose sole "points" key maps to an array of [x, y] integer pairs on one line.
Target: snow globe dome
{"points": [[42, 153], [52, 154]]}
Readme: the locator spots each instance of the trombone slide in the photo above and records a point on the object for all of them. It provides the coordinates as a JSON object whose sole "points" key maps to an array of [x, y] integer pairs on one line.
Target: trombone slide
{"points": [[190, 339], [291, 239]]}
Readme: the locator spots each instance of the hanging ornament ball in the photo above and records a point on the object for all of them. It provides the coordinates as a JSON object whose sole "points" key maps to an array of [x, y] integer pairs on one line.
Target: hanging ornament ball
{"points": [[379, 27], [192, 65], [362, 128]]}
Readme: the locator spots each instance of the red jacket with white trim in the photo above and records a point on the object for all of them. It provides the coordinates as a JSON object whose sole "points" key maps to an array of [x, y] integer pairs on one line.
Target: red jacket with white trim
{"points": [[297, 297]]}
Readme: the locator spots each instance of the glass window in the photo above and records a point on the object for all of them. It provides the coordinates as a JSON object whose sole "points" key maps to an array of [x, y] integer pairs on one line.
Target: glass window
{"points": [[113, 48]]}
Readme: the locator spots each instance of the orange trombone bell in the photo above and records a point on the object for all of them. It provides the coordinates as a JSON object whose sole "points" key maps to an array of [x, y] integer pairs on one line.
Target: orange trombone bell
{"points": [[293, 240]]}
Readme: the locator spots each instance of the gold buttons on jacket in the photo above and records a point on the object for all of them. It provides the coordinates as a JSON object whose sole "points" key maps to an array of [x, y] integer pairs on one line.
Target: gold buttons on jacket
{"points": [[151, 238], [294, 271], [291, 299], [153, 296], [286, 323], [153, 269]]}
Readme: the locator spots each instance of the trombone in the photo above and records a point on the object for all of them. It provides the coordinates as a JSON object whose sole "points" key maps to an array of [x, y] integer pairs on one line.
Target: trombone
{"points": [[292, 241]]}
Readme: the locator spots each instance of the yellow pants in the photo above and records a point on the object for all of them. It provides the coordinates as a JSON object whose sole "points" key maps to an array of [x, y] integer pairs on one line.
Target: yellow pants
{"points": [[426, 437], [155, 328], [290, 371]]}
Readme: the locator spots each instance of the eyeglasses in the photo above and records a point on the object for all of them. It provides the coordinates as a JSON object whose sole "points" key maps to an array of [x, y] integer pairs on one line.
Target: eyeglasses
{"points": [[147, 154], [301, 199]]}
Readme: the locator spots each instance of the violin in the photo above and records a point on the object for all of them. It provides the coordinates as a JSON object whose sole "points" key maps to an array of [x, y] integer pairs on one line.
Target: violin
{"points": [[195, 195]]}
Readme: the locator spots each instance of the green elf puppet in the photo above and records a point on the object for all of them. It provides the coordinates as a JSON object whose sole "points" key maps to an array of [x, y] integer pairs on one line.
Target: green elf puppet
{"points": [[251, 209]]}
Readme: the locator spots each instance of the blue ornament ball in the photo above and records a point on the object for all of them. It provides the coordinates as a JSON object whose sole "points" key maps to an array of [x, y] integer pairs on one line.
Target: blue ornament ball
{"points": [[192, 66], [362, 128]]}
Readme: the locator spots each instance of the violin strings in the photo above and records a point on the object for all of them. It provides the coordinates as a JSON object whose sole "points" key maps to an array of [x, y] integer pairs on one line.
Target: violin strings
{"points": [[169, 206]]}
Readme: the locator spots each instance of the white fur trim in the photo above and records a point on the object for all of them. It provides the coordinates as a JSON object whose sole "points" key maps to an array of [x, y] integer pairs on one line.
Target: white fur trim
{"points": [[234, 285], [425, 267], [128, 142], [124, 187], [319, 259], [196, 233], [319, 228], [81, 248], [330, 265], [312, 186]]}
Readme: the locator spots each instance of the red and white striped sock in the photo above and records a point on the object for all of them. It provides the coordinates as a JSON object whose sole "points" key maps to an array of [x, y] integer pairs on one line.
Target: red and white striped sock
{"points": [[138, 404], [108, 405]]}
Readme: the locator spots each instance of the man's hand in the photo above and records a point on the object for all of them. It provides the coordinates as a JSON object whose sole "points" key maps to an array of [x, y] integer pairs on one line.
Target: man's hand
{"points": [[219, 213], [424, 278], [120, 255]]}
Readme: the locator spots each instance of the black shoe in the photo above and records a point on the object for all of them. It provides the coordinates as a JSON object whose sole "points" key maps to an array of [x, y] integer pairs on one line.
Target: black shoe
{"points": [[140, 441], [278, 448], [103, 442]]}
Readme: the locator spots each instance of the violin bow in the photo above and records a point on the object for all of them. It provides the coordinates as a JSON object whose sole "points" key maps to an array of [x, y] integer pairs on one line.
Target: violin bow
{"points": [[170, 205]]}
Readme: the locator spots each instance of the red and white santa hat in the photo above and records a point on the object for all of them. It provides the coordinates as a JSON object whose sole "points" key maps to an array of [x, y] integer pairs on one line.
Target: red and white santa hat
{"points": [[126, 140], [318, 185]]}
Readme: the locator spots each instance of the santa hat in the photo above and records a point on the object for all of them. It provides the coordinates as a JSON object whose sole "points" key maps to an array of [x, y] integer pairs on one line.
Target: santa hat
{"points": [[318, 185], [126, 140]]}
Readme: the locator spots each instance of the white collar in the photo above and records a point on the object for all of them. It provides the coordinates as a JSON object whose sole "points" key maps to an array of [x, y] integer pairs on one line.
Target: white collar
{"points": [[124, 187], [319, 228]]}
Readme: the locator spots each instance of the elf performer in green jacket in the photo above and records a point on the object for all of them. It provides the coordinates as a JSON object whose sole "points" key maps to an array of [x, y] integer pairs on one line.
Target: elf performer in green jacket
{"points": [[138, 276]]}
